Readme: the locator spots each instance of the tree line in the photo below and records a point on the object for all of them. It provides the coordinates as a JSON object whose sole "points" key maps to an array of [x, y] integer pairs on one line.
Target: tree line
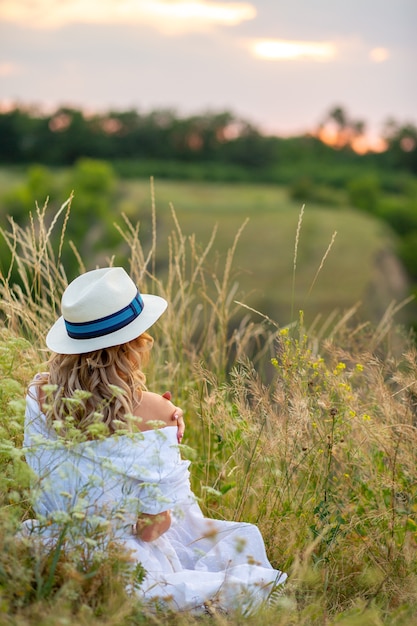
{"points": [[67, 134]]}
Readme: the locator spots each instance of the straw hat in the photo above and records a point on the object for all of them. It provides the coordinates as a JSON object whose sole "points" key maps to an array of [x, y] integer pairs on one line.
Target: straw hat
{"points": [[102, 308]]}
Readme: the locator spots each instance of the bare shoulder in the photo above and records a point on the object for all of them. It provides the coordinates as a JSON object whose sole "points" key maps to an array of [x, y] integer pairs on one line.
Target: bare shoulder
{"points": [[154, 407]]}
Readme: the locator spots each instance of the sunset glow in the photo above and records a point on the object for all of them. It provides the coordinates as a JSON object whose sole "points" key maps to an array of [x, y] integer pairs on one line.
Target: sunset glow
{"points": [[183, 14], [281, 49], [379, 55], [8, 69], [361, 145]]}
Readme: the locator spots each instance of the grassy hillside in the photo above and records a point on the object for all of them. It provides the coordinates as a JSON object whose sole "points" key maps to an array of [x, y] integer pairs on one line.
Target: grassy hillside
{"points": [[264, 258], [361, 265], [322, 457]]}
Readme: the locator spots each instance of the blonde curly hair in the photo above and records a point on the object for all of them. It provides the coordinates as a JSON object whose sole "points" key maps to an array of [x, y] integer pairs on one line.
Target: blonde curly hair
{"points": [[107, 385]]}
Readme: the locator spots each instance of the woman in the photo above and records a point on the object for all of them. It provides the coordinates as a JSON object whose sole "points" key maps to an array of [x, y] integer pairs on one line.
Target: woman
{"points": [[105, 452]]}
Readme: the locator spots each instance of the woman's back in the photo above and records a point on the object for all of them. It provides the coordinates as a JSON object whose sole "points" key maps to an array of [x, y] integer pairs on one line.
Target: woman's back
{"points": [[139, 471]]}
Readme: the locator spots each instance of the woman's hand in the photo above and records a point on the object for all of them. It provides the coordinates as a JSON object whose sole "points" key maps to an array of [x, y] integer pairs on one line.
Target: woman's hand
{"points": [[150, 527], [177, 416]]}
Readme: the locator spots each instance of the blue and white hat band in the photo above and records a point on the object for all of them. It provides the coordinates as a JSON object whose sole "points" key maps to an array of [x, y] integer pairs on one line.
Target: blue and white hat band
{"points": [[108, 324]]}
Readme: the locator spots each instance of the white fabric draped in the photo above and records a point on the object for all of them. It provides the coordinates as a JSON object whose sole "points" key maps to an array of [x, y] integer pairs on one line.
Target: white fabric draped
{"points": [[197, 561]]}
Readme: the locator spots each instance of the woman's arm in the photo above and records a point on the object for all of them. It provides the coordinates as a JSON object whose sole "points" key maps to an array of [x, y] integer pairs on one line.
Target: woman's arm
{"points": [[154, 407], [150, 527]]}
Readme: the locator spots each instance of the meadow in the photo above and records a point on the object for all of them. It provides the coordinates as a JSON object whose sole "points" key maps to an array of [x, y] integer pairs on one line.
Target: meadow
{"points": [[320, 453], [364, 269], [363, 246]]}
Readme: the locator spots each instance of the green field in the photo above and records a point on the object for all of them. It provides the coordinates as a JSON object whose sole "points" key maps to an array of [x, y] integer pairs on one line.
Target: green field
{"points": [[360, 266], [264, 258]]}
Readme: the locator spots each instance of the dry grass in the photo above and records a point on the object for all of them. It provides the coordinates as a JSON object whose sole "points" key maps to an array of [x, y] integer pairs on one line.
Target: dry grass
{"points": [[318, 446]]}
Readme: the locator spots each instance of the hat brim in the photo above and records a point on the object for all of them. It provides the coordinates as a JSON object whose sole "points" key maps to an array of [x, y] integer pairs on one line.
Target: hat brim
{"points": [[59, 341]]}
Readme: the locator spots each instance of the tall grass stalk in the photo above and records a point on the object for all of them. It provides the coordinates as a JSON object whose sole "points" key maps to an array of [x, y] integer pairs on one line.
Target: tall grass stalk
{"points": [[322, 263], [294, 268], [320, 453]]}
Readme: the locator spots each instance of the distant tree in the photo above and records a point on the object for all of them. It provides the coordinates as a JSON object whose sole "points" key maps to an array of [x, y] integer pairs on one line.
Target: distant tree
{"points": [[252, 149], [72, 135], [345, 129], [402, 144], [17, 135]]}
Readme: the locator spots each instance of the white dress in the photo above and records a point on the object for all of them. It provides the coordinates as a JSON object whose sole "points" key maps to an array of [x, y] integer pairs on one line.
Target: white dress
{"points": [[197, 562]]}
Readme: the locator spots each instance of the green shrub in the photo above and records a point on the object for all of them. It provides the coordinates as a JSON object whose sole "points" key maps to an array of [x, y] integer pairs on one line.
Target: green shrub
{"points": [[407, 253], [38, 186], [400, 213], [306, 191], [364, 193]]}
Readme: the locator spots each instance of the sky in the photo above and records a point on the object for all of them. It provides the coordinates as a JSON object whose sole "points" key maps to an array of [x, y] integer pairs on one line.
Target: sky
{"points": [[279, 64]]}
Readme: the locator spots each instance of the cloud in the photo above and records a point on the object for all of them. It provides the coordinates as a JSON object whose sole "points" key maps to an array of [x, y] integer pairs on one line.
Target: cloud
{"points": [[344, 50], [164, 15], [286, 50], [8, 69], [379, 55]]}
